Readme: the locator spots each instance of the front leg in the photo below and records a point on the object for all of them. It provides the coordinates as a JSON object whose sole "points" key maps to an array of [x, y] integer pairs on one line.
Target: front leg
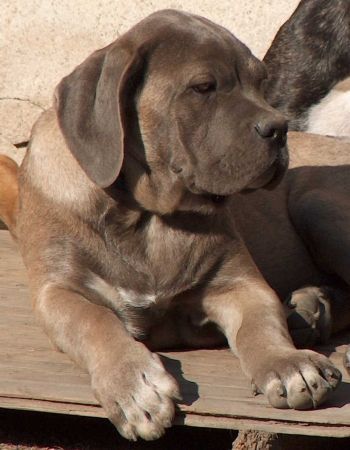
{"points": [[128, 380], [252, 318]]}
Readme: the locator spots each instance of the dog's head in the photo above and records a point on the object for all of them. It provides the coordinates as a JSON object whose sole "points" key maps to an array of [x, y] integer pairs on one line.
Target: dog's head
{"points": [[177, 103]]}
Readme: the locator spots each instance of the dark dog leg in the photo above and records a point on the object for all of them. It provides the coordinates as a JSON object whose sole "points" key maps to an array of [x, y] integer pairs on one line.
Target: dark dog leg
{"points": [[314, 313], [308, 56], [322, 217]]}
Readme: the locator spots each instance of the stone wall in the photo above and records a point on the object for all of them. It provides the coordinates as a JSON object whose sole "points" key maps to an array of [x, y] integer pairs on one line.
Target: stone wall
{"points": [[43, 40]]}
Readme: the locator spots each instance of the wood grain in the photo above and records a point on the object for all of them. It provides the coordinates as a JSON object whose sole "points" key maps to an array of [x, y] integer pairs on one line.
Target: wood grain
{"points": [[34, 376]]}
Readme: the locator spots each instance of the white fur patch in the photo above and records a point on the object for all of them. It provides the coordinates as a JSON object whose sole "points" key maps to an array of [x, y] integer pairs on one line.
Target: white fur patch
{"points": [[117, 298], [105, 290], [331, 116], [135, 299]]}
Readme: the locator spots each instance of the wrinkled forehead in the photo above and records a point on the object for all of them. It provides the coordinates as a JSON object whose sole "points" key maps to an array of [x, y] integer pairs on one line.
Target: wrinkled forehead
{"points": [[192, 42]]}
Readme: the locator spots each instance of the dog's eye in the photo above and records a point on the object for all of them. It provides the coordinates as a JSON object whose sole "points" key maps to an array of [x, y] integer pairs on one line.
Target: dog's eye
{"points": [[204, 88]]}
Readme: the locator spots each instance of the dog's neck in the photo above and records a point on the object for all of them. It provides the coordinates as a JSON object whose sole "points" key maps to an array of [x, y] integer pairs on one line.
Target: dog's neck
{"points": [[159, 192]]}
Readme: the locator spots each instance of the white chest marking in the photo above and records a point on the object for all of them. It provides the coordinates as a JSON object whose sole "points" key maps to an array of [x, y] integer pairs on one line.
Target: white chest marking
{"points": [[135, 299], [118, 298]]}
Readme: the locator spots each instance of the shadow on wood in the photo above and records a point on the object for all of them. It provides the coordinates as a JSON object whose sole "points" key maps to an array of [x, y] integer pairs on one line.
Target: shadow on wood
{"points": [[216, 394]]}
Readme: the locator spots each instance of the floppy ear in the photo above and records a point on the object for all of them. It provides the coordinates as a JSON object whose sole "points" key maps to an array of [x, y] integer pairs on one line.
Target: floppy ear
{"points": [[90, 105]]}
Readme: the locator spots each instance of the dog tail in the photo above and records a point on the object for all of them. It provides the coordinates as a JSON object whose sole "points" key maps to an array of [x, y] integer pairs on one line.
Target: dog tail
{"points": [[8, 193]]}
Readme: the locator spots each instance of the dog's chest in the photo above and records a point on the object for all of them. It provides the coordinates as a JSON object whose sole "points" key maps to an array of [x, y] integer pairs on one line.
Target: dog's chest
{"points": [[161, 260], [154, 266]]}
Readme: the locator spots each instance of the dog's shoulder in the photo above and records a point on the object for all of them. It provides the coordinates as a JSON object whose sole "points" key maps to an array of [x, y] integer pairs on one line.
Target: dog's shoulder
{"points": [[51, 169]]}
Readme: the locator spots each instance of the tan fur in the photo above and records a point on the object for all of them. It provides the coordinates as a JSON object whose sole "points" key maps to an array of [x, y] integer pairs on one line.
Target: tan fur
{"points": [[139, 228], [8, 192], [67, 183]]}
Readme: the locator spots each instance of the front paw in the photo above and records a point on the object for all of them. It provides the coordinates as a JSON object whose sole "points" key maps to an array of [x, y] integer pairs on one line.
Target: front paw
{"points": [[309, 316], [136, 393], [299, 379]]}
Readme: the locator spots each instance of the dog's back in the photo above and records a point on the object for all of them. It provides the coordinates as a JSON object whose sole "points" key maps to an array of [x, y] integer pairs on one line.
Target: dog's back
{"points": [[8, 192]]}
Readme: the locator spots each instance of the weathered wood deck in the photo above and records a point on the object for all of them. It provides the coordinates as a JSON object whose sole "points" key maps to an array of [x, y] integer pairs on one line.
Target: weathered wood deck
{"points": [[34, 376]]}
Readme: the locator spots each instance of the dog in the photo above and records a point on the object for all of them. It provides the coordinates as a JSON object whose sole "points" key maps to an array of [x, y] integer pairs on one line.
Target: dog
{"points": [[332, 115], [8, 192], [307, 58], [141, 189]]}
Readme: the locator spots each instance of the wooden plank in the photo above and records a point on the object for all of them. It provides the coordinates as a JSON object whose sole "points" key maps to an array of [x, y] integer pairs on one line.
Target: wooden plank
{"points": [[216, 393], [270, 426], [193, 420], [52, 407]]}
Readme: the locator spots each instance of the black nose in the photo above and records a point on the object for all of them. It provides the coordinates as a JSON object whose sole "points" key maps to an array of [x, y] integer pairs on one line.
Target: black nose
{"points": [[274, 130]]}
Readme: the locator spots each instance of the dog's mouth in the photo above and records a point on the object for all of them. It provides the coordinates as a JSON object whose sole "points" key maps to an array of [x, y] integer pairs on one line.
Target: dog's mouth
{"points": [[263, 180], [269, 179], [216, 199], [273, 175]]}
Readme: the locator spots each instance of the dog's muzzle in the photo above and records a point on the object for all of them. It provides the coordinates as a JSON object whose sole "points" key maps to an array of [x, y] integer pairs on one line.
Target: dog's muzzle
{"points": [[274, 174]]}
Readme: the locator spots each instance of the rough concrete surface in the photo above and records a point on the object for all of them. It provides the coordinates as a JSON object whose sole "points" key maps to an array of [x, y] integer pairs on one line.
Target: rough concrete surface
{"points": [[43, 40], [6, 148], [17, 116]]}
